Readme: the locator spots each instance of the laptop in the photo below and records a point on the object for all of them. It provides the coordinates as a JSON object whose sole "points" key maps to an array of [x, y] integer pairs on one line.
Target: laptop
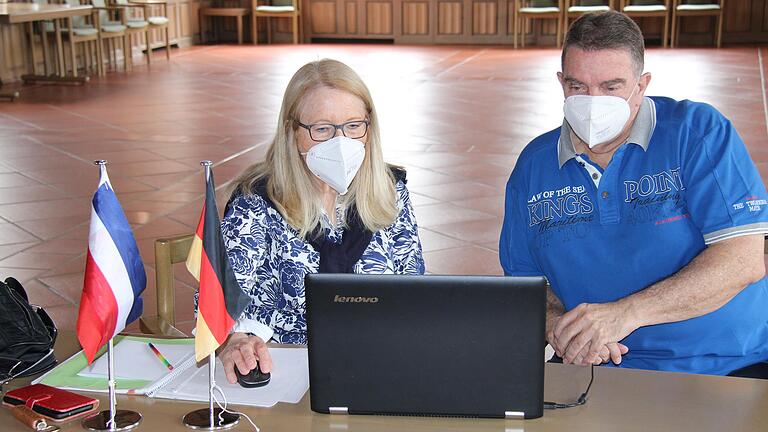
{"points": [[468, 346]]}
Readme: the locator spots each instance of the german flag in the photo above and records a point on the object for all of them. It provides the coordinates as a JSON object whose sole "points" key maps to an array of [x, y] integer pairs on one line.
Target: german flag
{"points": [[221, 301]]}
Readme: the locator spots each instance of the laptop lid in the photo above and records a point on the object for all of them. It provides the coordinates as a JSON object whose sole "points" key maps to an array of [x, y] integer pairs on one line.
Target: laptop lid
{"points": [[426, 345]]}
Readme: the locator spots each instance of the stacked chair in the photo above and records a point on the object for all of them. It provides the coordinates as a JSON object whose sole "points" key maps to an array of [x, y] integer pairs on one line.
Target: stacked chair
{"points": [[649, 9], [698, 8], [537, 9]]}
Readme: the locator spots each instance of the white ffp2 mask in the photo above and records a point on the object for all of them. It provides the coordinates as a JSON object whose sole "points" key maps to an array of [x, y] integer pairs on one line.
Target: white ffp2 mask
{"points": [[596, 119], [336, 161]]}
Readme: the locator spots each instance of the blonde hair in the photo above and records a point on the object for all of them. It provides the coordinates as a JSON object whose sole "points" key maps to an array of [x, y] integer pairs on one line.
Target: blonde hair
{"points": [[289, 183]]}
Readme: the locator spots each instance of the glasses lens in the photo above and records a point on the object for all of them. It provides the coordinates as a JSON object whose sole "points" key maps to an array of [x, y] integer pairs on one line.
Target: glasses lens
{"points": [[356, 129], [322, 132]]}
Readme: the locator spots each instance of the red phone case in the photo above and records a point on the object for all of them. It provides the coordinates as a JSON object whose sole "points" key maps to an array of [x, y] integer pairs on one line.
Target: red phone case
{"points": [[52, 403]]}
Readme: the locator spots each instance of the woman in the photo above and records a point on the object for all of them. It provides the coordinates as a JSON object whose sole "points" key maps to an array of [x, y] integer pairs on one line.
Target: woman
{"points": [[323, 200]]}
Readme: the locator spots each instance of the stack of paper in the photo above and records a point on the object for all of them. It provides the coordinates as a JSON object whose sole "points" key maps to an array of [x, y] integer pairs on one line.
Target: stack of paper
{"points": [[289, 382], [139, 371], [134, 359]]}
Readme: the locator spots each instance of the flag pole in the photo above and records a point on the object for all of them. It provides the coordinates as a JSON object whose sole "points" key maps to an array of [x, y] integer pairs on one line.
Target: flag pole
{"points": [[112, 420], [212, 383], [210, 418], [212, 358], [111, 382]]}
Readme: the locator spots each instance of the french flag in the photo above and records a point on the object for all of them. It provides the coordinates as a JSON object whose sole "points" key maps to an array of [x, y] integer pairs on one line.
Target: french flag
{"points": [[114, 273]]}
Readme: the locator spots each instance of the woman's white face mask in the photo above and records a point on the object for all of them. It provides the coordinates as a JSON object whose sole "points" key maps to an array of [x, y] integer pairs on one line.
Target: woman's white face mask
{"points": [[336, 161], [597, 119]]}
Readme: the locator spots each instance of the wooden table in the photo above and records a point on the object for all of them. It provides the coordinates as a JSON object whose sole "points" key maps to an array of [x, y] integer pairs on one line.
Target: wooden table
{"points": [[620, 400], [29, 13]]}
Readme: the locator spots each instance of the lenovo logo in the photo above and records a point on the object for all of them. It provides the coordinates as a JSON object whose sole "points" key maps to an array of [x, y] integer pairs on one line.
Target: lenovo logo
{"points": [[343, 299]]}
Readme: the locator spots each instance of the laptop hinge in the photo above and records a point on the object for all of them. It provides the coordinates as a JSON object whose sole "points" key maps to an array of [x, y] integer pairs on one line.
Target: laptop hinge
{"points": [[338, 410], [514, 415]]}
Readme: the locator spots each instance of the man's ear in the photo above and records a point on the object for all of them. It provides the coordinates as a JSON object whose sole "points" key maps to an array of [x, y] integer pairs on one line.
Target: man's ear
{"points": [[561, 79], [645, 79]]}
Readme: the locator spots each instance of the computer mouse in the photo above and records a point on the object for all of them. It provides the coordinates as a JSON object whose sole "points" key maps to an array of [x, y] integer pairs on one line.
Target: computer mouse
{"points": [[254, 378]]}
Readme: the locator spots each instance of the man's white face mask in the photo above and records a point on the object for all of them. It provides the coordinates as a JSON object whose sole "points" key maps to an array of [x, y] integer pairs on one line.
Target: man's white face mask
{"points": [[336, 161], [597, 119]]}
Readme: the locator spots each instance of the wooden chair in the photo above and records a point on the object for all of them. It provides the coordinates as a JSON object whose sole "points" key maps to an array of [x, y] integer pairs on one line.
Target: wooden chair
{"points": [[649, 9], [153, 22], [133, 26], [88, 39], [82, 33], [278, 9], [47, 28], [712, 8], [110, 31], [537, 9], [228, 8], [168, 251], [158, 22], [577, 8]]}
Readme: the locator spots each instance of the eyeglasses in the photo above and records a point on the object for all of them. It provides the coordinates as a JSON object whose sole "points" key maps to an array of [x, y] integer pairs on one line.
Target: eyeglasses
{"points": [[324, 131]]}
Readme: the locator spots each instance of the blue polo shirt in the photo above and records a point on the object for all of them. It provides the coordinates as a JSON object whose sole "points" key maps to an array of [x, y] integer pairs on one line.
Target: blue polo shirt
{"points": [[682, 181]]}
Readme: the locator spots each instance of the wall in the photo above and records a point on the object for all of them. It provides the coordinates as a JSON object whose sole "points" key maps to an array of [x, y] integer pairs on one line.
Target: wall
{"points": [[490, 22]]}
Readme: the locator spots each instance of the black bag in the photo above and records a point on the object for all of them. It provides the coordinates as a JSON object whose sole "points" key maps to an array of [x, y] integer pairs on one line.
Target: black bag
{"points": [[27, 334]]}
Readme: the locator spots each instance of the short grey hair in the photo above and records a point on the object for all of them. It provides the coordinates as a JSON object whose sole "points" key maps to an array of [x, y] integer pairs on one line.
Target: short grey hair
{"points": [[606, 31]]}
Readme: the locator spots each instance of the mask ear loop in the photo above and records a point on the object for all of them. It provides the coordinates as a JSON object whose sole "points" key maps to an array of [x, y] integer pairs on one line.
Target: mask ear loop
{"points": [[637, 86]]}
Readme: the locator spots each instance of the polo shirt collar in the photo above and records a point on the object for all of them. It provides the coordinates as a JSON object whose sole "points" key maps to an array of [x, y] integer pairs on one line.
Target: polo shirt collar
{"points": [[639, 134]]}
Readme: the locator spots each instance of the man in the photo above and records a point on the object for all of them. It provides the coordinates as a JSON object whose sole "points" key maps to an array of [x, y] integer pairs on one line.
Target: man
{"points": [[646, 215]]}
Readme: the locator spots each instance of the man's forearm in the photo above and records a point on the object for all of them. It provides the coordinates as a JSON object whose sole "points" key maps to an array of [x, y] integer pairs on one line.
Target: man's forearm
{"points": [[707, 283], [555, 309]]}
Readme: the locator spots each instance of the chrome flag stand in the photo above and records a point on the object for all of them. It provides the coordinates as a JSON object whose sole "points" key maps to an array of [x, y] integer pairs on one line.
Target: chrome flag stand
{"points": [[210, 418], [114, 419]]}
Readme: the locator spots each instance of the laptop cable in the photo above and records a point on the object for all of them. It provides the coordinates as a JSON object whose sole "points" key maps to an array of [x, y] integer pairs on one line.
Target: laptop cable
{"points": [[580, 401]]}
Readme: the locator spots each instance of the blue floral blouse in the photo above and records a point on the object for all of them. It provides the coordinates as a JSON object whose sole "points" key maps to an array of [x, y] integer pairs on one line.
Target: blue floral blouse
{"points": [[270, 260]]}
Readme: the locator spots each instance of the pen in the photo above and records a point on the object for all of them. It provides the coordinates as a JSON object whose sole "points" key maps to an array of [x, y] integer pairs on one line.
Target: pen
{"points": [[160, 356]]}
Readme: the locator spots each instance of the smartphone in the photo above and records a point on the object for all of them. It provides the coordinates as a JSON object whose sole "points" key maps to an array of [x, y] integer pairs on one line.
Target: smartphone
{"points": [[52, 403]]}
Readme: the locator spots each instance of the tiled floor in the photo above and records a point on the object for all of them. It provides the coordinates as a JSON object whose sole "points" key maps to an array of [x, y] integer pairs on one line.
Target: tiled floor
{"points": [[456, 117]]}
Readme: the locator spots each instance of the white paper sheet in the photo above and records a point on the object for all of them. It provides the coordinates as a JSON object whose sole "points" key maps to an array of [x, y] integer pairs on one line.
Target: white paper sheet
{"points": [[135, 360], [289, 382]]}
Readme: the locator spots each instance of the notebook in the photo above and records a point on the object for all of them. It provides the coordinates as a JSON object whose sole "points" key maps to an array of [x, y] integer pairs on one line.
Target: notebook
{"points": [[139, 371], [426, 345]]}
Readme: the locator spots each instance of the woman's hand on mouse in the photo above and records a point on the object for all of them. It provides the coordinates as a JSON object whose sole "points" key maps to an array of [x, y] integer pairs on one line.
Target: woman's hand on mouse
{"points": [[244, 352]]}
